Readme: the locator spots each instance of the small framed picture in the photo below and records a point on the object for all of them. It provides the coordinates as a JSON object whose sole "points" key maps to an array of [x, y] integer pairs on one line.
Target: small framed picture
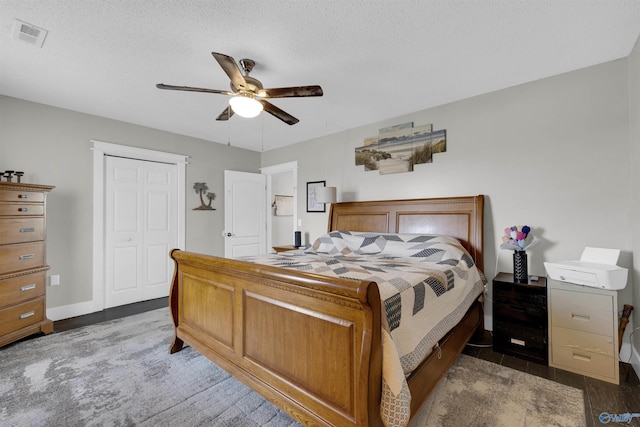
{"points": [[312, 203]]}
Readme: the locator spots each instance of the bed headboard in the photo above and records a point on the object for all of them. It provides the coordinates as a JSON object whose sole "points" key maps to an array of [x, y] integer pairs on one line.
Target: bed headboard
{"points": [[460, 217]]}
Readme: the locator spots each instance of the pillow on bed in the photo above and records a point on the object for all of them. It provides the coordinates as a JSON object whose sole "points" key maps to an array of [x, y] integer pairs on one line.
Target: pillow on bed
{"points": [[421, 247], [332, 243]]}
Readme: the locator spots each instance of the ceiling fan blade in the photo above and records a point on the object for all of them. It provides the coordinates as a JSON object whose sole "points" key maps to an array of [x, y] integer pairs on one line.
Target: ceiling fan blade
{"points": [[226, 114], [291, 92], [276, 112], [230, 67], [193, 89]]}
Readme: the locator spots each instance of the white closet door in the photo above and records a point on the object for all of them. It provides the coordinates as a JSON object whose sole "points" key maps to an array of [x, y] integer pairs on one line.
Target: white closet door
{"points": [[140, 229]]}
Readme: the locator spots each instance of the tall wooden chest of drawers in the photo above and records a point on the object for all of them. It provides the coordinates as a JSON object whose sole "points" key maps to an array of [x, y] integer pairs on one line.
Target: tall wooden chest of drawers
{"points": [[583, 333], [23, 264]]}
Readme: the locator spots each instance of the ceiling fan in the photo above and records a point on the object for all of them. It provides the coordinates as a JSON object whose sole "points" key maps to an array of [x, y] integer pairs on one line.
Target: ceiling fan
{"points": [[248, 94]]}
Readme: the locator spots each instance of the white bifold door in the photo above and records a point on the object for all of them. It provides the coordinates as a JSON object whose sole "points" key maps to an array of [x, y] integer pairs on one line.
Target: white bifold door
{"points": [[140, 229]]}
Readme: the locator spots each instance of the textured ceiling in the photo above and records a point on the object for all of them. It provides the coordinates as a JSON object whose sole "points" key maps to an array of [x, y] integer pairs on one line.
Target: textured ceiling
{"points": [[374, 59]]}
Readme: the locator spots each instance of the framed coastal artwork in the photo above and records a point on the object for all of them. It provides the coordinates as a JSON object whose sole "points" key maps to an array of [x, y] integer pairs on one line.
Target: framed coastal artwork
{"points": [[398, 149]]}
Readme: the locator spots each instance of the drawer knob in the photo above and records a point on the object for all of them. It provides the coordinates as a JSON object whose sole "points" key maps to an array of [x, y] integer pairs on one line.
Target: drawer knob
{"points": [[27, 256], [27, 230], [28, 314], [23, 196], [23, 209], [28, 287]]}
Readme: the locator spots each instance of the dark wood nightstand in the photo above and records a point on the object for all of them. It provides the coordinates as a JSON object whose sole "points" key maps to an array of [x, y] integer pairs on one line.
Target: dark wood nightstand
{"points": [[284, 248], [520, 322]]}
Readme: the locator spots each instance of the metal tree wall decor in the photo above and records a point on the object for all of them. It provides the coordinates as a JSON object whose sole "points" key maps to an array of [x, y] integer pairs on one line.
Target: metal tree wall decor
{"points": [[202, 189]]}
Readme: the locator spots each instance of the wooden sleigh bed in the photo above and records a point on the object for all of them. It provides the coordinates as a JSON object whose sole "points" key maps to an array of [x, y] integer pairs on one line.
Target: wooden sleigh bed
{"points": [[308, 343]]}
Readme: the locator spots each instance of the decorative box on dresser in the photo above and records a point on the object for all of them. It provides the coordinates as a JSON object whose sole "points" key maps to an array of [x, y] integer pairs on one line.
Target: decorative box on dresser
{"points": [[23, 263], [583, 331]]}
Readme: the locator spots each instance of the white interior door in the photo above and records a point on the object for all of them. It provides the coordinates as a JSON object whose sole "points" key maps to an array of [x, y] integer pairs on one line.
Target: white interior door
{"points": [[140, 229], [245, 210]]}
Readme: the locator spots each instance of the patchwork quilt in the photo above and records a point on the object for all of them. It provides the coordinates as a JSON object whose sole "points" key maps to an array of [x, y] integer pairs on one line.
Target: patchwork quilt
{"points": [[426, 282]]}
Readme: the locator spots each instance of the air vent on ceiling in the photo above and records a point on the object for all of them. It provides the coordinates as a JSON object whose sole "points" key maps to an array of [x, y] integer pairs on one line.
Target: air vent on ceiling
{"points": [[29, 33]]}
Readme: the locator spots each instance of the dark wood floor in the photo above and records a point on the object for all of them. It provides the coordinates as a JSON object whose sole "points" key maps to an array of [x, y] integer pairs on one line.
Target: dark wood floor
{"points": [[599, 396], [109, 314]]}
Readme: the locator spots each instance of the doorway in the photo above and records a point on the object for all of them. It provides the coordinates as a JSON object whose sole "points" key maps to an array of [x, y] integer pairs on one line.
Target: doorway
{"points": [[247, 208], [281, 179], [150, 270]]}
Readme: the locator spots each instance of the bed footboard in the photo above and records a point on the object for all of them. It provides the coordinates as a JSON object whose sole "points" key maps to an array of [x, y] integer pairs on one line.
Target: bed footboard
{"points": [[310, 344]]}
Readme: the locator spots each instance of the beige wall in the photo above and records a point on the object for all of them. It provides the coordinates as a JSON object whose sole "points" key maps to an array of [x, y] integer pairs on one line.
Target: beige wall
{"points": [[52, 146], [553, 154]]}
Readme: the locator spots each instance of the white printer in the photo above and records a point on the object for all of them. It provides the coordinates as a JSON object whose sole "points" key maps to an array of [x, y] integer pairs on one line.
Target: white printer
{"points": [[597, 268]]}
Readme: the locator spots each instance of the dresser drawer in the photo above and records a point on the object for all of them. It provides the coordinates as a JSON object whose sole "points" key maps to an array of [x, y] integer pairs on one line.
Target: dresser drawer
{"points": [[21, 315], [582, 311], [21, 196], [22, 288], [583, 352], [21, 209], [20, 230], [23, 256]]}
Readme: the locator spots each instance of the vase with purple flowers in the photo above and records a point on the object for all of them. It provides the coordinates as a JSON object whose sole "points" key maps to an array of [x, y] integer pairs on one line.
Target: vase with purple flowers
{"points": [[518, 238]]}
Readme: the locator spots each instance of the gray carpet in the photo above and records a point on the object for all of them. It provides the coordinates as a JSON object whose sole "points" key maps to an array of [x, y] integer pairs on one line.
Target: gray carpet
{"points": [[119, 373]]}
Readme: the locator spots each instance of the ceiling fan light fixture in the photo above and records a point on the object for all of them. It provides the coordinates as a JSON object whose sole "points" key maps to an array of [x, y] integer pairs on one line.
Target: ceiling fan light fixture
{"points": [[245, 106], [245, 90]]}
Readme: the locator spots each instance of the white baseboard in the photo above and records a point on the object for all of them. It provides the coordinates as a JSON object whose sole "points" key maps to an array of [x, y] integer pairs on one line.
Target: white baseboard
{"points": [[72, 310]]}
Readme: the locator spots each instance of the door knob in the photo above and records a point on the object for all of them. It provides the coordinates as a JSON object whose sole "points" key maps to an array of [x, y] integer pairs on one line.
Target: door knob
{"points": [[228, 234]]}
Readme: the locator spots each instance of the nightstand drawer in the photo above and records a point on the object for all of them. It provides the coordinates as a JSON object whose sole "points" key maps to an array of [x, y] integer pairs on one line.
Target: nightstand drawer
{"points": [[582, 311], [22, 288], [20, 230], [21, 315], [521, 341], [519, 304], [583, 352]]}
